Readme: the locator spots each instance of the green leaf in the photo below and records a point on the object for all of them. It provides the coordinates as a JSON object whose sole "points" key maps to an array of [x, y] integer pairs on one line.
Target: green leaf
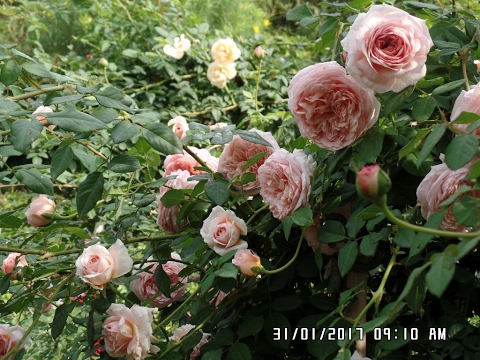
{"points": [[252, 137], [286, 303], [10, 72], [396, 101], [172, 197], [404, 237], [371, 145], [213, 355], [302, 217], [89, 192], [331, 232], [461, 150], [431, 140], [414, 144], [61, 160], [466, 211], [35, 181], [240, 351], [5, 283], [418, 293], [124, 131], [466, 118], [7, 220], [25, 132], [253, 160], [421, 239], [124, 164], [299, 13], [354, 223], [217, 191], [162, 280], [36, 69], [347, 256], [71, 119], [162, 138], [287, 226], [228, 270], [64, 99], [411, 282], [319, 259], [250, 325], [307, 21], [369, 243], [111, 97], [105, 115], [441, 273], [60, 319], [448, 87], [423, 108]]}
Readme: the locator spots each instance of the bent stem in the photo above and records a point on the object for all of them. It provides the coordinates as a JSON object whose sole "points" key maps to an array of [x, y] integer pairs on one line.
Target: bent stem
{"points": [[290, 262], [177, 310]]}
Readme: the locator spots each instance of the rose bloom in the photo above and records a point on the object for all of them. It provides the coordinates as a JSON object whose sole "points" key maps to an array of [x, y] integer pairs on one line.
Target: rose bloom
{"points": [[180, 126], [183, 330], [186, 162], [39, 206], [180, 45], [245, 259], [477, 62], [9, 338], [467, 101], [437, 186], [285, 181], [225, 51], [218, 126], [219, 73], [144, 288], [238, 152], [96, 266], [42, 110], [387, 49], [221, 231], [128, 332], [11, 261], [329, 107]]}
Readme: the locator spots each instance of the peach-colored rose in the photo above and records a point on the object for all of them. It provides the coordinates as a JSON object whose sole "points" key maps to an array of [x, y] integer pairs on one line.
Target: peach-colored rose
{"points": [[180, 126], [245, 259], [219, 73], [183, 330], [42, 110], [225, 51], [128, 332], [467, 101], [437, 186], [39, 206], [221, 231], [180, 45], [96, 265], [387, 49], [218, 297], [144, 288], [9, 338], [238, 152], [11, 261], [285, 181], [186, 162], [330, 108]]}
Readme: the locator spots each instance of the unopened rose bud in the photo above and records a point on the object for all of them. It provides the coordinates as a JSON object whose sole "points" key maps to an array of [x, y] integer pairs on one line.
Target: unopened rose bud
{"points": [[103, 62], [248, 262], [260, 52], [373, 182], [38, 207], [13, 260]]}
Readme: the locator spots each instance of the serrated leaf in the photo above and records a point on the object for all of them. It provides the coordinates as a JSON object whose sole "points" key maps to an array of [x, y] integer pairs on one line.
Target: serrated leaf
{"points": [[252, 137], [331, 232], [162, 281], [4, 283], [347, 256], [124, 164], [25, 132], [124, 131], [414, 144], [442, 89], [417, 294], [60, 319], [7, 220], [423, 108], [10, 72], [299, 13], [369, 243], [404, 237], [61, 160], [371, 145], [111, 97], [466, 118], [253, 160], [441, 273], [89, 192], [421, 239], [217, 191], [35, 181], [228, 270], [172, 197], [64, 99], [430, 141], [302, 217], [461, 150], [250, 325], [239, 351], [71, 119], [162, 138]]}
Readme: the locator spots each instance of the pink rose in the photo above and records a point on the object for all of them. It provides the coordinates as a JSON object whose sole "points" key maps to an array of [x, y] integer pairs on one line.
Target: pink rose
{"points": [[330, 108], [180, 126], [186, 162], [387, 49], [260, 52], [128, 332], [96, 265], [373, 182], [221, 231], [11, 261], [238, 152], [437, 186], [245, 259], [10, 336], [183, 330], [285, 181], [42, 110], [39, 206], [144, 288], [477, 62], [467, 101]]}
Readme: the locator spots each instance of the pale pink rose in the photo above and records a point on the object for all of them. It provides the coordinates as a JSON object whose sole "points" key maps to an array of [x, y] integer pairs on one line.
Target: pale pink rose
{"points": [[144, 288], [206, 157], [260, 52], [387, 49], [238, 152], [477, 62], [219, 73], [180, 126], [177, 50], [245, 259], [285, 181], [11, 261], [39, 206], [468, 101], [96, 265], [42, 110], [128, 332], [437, 186], [186, 162], [183, 330], [357, 356], [221, 231], [225, 51], [10, 336], [218, 297], [218, 126], [329, 107]]}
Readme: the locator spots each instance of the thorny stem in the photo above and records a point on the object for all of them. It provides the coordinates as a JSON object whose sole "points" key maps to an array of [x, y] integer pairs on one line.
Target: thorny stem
{"points": [[36, 93], [192, 154]]}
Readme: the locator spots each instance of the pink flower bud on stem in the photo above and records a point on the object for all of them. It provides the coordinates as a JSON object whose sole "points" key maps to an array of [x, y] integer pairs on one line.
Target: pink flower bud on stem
{"points": [[373, 183]]}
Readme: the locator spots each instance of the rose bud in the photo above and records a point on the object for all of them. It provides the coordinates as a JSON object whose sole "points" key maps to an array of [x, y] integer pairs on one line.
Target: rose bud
{"points": [[42, 110], [11, 261], [247, 261], [38, 207], [103, 62], [373, 182], [260, 52]]}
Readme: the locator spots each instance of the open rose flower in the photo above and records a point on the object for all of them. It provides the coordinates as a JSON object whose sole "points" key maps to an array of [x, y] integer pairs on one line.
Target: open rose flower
{"points": [[186, 162], [329, 107], [10, 336], [238, 152], [96, 265], [145, 288], [183, 330], [219, 73], [221, 231], [180, 126], [468, 101], [11, 261], [128, 332], [177, 50], [225, 51], [387, 49], [245, 260], [285, 181], [39, 206]]}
